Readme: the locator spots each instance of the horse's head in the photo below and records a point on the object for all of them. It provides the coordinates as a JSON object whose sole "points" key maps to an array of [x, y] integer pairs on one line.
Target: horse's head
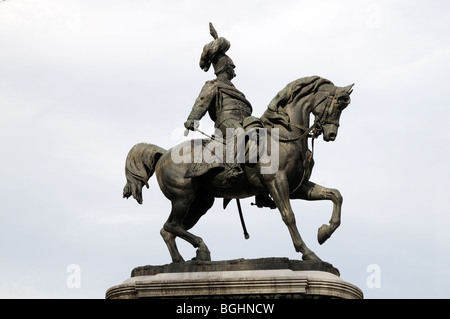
{"points": [[328, 111]]}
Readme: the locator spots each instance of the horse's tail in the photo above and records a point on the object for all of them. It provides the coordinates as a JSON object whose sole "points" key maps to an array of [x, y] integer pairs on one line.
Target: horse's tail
{"points": [[139, 167]]}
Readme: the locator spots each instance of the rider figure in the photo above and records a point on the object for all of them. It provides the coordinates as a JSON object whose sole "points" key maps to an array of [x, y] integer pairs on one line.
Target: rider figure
{"points": [[226, 105]]}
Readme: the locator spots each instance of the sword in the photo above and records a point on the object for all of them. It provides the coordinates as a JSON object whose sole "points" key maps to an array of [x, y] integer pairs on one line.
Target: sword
{"points": [[246, 235], [186, 133]]}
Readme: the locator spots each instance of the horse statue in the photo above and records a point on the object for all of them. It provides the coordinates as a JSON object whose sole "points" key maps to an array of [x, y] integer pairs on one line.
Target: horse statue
{"points": [[288, 114]]}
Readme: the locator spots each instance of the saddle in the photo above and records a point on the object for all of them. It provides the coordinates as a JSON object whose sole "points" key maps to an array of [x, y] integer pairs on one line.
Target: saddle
{"points": [[212, 150]]}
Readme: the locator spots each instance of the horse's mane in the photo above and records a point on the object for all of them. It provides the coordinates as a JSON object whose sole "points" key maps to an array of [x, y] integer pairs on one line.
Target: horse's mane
{"points": [[302, 86], [296, 89]]}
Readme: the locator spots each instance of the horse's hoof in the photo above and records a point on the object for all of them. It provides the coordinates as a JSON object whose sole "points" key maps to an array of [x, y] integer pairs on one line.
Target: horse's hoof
{"points": [[323, 234], [311, 256], [202, 255], [178, 260]]}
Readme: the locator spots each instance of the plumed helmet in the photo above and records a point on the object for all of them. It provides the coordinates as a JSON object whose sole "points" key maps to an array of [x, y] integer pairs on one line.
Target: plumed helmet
{"points": [[214, 52]]}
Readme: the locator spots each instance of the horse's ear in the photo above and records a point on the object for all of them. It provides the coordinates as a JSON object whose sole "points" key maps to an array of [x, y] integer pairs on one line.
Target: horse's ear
{"points": [[348, 89], [344, 96]]}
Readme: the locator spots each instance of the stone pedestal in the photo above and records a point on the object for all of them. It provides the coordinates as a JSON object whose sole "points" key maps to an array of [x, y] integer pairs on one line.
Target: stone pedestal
{"points": [[265, 278]]}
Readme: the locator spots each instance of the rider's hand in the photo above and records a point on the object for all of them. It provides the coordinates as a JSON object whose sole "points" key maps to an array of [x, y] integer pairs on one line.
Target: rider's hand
{"points": [[190, 124]]}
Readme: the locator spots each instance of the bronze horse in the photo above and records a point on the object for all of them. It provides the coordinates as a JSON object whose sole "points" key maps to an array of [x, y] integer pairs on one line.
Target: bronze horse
{"points": [[192, 197]]}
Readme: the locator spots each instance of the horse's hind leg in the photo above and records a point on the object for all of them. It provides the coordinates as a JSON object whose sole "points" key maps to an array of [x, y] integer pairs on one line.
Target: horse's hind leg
{"points": [[201, 204], [169, 239], [175, 226]]}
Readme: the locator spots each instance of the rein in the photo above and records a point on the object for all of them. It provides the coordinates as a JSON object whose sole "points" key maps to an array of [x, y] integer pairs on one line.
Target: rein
{"points": [[302, 136]]}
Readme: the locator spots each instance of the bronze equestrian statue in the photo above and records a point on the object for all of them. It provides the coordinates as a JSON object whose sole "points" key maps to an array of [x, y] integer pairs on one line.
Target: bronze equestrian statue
{"points": [[287, 123]]}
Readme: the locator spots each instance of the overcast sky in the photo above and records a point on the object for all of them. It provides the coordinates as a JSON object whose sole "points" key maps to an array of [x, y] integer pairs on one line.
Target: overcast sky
{"points": [[82, 81]]}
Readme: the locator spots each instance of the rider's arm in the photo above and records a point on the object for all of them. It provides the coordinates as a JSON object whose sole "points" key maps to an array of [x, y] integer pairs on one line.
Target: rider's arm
{"points": [[206, 99]]}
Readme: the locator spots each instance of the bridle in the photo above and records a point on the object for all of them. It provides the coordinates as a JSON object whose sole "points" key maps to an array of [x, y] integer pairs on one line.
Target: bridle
{"points": [[317, 127]]}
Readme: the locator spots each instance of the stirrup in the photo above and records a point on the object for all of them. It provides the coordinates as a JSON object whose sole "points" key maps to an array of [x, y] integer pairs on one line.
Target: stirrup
{"points": [[264, 200]]}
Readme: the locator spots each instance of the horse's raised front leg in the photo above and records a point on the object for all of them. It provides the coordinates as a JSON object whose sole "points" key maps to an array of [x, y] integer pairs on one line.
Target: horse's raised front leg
{"points": [[279, 190], [311, 191]]}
